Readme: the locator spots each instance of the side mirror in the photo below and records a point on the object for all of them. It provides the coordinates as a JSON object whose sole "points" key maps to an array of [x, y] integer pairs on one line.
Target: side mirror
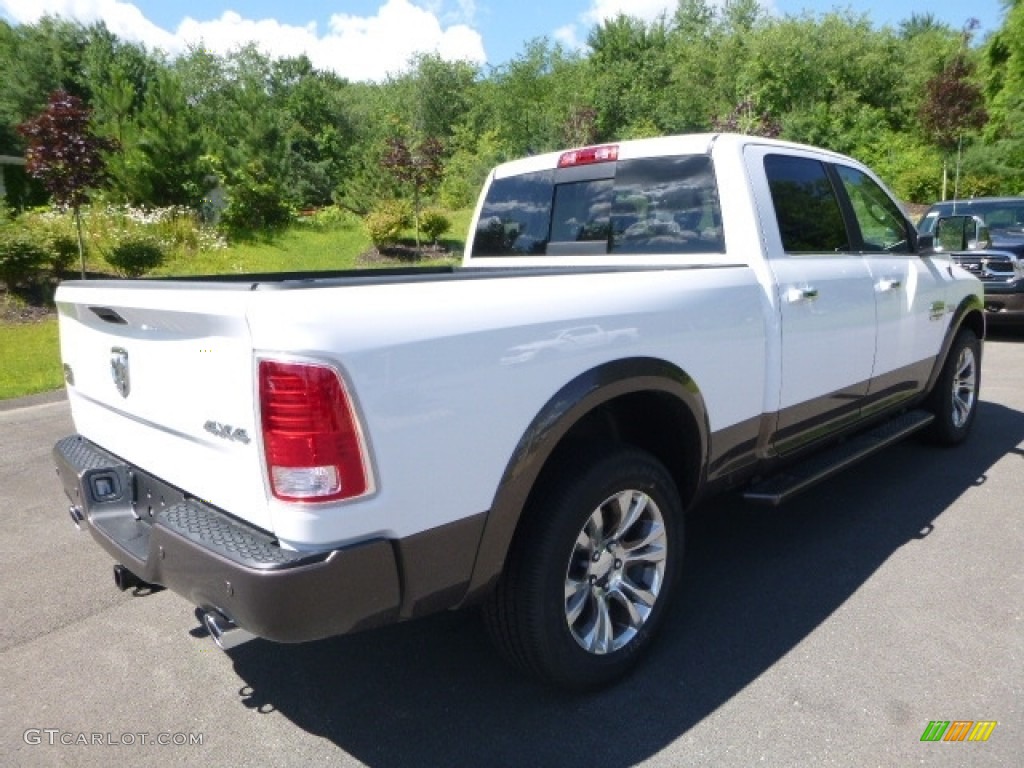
{"points": [[961, 233], [981, 239]]}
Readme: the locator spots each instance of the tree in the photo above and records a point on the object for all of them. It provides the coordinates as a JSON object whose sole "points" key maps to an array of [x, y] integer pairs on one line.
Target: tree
{"points": [[953, 105], [629, 66], [921, 24], [746, 118], [419, 167], [66, 156]]}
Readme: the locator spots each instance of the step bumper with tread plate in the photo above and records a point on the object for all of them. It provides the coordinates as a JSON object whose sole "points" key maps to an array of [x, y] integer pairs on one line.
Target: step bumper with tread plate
{"points": [[217, 562]]}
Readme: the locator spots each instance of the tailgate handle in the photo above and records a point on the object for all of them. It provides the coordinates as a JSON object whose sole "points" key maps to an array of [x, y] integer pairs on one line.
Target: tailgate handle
{"points": [[108, 315]]}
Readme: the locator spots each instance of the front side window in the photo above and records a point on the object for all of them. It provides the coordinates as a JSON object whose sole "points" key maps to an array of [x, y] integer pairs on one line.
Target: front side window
{"points": [[882, 226], [662, 205], [806, 207]]}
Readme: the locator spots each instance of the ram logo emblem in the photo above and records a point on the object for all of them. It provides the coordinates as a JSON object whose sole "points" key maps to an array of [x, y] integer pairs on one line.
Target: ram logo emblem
{"points": [[119, 370]]}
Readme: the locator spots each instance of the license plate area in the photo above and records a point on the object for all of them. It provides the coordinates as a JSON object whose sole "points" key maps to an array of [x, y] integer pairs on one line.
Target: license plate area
{"points": [[150, 496]]}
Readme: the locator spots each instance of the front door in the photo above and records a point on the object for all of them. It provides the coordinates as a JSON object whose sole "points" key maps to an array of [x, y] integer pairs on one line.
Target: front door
{"points": [[910, 293]]}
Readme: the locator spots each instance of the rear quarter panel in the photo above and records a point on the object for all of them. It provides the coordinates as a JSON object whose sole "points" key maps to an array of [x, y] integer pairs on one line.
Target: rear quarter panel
{"points": [[448, 375]]}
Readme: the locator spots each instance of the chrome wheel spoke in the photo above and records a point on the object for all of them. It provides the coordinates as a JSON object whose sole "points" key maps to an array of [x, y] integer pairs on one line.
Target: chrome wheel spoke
{"points": [[636, 618], [603, 629], [615, 572], [964, 388], [576, 595], [637, 595], [653, 536], [631, 506]]}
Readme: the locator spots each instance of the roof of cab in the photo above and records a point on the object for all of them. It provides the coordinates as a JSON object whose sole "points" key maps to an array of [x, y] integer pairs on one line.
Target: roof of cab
{"points": [[686, 144]]}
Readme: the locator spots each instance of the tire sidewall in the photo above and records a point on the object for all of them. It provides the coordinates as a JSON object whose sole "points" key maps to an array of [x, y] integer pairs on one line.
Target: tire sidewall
{"points": [[945, 431], [572, 505]]}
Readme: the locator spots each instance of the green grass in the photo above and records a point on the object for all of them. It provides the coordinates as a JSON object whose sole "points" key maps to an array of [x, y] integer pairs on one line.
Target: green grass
{"points": [[302, 248], [29, 352], [29, 358], [296, 248]]}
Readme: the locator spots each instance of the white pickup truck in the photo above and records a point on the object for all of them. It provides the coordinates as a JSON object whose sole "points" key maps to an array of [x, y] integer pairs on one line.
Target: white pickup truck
{"points": [[634, 327]]}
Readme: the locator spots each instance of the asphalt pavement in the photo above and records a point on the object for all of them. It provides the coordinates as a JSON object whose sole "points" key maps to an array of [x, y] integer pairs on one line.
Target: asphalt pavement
{"points": [[830, 632]]}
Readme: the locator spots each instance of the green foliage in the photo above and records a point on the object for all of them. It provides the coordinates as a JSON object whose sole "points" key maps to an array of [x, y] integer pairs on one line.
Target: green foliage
{"points": [[384, 224], [255, 203], [136, 257], [63, 252], [280, 135], [21, 258], [328, 217], [464, 173], [434, 223]]}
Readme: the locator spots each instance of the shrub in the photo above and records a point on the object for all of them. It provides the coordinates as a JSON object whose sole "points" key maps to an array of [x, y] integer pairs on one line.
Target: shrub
{"points": [[384, 224], [434, 223], [330, 217], [255, 203], [21, 259], [136, 257], [62, 254]]}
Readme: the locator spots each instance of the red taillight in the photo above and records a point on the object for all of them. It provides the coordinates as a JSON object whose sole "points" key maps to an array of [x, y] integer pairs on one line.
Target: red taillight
{"points": [[589, 155], [315, 451]]}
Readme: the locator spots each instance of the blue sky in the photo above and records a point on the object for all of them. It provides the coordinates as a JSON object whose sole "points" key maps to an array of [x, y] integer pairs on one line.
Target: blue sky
{"points": [[366, 39]]}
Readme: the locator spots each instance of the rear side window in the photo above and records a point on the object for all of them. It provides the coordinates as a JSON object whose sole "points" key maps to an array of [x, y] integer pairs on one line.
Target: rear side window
{"points": [[516, 217], [663, 205], [806, 207]]}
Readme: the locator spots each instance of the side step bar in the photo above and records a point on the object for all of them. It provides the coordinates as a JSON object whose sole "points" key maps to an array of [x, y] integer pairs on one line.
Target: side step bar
{"points": [[791, 481]]}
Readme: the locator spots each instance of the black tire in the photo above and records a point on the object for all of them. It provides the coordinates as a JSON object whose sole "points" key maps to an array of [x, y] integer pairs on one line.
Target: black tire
{"points": [[954, 401], [590, 571]]}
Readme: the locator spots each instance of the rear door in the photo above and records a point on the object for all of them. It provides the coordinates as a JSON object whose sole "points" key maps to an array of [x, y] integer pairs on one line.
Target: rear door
{"points": [[825, 294]]}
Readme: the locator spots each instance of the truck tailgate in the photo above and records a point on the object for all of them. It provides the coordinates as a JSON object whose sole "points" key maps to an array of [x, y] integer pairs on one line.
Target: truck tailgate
{"points": [[164, 379]]}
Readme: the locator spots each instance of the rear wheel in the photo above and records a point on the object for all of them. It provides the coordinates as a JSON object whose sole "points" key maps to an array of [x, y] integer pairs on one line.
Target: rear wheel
{"points": [[954, 401], [591, 570]]}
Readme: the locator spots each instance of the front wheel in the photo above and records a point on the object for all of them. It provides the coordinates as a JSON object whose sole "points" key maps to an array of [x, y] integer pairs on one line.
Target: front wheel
{"points": [[591, 570], [954, 401]]}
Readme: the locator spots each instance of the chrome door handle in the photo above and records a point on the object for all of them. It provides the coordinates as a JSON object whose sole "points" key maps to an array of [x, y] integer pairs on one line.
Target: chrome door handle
{"points": [[796, 295], [888, 285]]}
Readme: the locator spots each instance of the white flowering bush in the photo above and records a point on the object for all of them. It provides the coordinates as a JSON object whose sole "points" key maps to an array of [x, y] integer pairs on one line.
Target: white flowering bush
{"points": [[110, 231]]}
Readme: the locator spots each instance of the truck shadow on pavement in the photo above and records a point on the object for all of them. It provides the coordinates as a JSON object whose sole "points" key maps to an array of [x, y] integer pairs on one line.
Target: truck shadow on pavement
{"points": [[757, 582]]}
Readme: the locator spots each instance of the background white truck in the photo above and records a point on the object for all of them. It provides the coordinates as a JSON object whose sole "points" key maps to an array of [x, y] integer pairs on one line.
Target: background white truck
{"points": [[635, 326]]}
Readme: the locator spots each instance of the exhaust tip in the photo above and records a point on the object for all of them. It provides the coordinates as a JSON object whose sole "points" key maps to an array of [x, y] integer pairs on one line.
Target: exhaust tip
{"points": [[225, 633], [125, 579]]}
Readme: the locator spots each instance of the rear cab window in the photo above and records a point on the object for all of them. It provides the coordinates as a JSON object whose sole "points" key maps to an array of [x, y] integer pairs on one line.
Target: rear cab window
{"points": [[656, 205]]}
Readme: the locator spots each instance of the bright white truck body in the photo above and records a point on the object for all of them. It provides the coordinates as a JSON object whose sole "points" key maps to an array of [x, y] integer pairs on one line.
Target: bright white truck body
{"points": [[773, 346]]}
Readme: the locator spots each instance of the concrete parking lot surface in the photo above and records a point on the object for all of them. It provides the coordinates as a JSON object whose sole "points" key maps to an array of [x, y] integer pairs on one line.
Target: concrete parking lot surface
{"points": [[830, 632]]}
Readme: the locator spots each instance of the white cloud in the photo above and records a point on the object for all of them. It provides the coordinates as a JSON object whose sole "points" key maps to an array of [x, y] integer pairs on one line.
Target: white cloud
{"points": [[601, 11], [569, 37], [356, 47], [123, 19], [380, 44], [648, 10]]}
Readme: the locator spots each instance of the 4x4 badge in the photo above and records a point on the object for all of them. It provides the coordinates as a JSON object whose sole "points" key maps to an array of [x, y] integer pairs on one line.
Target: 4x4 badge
{"points": [[119, 370]]}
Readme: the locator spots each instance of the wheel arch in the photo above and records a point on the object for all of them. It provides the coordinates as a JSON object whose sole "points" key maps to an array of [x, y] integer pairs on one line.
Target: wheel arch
{"points": [[645, 402], [969, 314]]}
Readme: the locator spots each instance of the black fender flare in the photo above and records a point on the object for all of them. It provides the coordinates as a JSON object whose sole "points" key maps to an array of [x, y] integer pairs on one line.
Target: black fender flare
{"points": [[559, 415], [970, 307]]}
